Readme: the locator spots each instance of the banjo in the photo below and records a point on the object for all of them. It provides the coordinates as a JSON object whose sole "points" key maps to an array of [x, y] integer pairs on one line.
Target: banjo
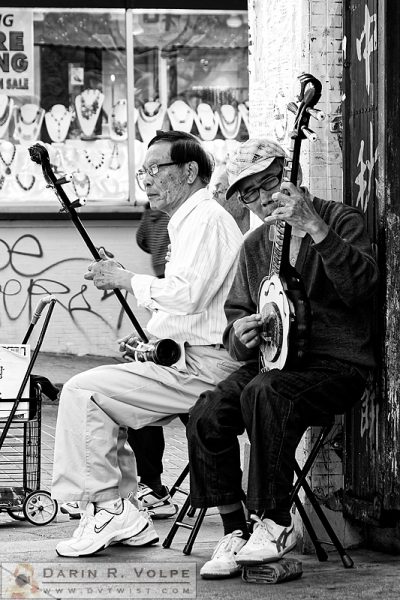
{"points": [[282, 300]]}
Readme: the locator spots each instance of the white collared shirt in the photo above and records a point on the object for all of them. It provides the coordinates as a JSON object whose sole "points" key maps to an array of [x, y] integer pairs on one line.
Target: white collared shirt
{"points": [[188, 304]]}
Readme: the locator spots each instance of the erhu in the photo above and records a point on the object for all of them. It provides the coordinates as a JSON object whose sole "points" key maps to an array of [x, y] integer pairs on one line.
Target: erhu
{"points": [[164, 352]]}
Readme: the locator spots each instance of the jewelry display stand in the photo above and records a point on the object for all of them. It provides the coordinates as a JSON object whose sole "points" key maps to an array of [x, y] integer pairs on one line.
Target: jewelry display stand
{"points": [[151, 117], [6, 112], [181, 116], [206, 121], [229, 121], [28, 123], [88, 105], [244, 111], [58, 121]]}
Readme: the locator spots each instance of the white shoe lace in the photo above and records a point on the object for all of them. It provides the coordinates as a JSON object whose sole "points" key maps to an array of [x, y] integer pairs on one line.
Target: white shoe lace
{"points": [[225, 545], [261, 532]]}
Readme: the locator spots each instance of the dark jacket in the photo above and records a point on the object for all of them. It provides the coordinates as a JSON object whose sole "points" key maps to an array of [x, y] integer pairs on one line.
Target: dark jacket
{"points": [[340, 276]]}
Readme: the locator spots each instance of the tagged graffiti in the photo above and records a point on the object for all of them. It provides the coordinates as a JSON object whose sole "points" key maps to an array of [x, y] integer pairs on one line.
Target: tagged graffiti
{"points": [[366, 44], [366, 168], [20, 292], [369, 414]]}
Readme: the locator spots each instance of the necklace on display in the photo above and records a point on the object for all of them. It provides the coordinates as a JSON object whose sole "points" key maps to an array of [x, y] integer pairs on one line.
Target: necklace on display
{"points": [[115, 162], [28, 186], [150, 119], [58, 120], [8, 163], [6, 109], [206, 121], [229, 121], [91, 159], [88, 105], [119, 120], [81, 184], [28, 119], [2, 180]]}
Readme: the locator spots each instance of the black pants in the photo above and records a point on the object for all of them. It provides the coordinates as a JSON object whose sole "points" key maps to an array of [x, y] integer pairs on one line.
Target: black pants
{"points": [[148, 445], [275, 408]]}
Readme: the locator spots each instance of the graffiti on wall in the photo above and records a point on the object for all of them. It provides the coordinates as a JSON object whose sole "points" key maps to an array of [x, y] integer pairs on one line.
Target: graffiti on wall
{"points": [[366, 167], [28, 280], [367, 43]]}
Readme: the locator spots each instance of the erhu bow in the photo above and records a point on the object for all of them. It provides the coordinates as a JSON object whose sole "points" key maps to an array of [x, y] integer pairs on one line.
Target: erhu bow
{"points": [[282, 300], [164, 352]]}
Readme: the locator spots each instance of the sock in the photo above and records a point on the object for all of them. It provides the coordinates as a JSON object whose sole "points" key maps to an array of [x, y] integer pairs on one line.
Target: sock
{"points": [[155, 484], [113, 506], [235, 520], [279, 516]]}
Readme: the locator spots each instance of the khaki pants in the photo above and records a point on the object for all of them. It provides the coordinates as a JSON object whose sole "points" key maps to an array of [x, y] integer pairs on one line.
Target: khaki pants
{"points": [[92, 460]]}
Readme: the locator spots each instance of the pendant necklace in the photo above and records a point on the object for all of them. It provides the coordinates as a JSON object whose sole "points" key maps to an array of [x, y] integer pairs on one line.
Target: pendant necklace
{"points": [[115, 162], [81, 184], [58, 121], [27, 187], [28, 129], [9, 163]]}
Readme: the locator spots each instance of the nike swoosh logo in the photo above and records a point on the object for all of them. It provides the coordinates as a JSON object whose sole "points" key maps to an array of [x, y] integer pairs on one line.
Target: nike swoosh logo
{"points": [[99, 529]]}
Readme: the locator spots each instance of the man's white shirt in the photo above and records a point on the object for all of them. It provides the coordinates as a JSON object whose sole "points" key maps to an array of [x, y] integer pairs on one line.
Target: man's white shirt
{"points": [[188, 304]]}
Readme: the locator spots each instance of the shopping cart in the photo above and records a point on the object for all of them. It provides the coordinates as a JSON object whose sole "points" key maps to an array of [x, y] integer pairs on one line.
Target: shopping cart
{"points": [[20, 442]]}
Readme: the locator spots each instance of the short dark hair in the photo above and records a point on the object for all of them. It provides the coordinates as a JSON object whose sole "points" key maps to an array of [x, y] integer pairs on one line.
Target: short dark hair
{"points": [[186, 147]]}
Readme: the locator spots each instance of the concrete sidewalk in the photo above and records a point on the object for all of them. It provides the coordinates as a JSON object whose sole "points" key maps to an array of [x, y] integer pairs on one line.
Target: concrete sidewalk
{"points": [[375, 575]]}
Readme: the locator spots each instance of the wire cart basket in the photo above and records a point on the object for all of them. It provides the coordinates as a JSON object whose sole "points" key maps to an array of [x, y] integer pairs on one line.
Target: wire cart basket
{"points": [[20, 445]]}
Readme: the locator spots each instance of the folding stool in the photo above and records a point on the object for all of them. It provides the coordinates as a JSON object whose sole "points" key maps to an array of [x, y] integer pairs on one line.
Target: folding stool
{"points": [[301, 482]]}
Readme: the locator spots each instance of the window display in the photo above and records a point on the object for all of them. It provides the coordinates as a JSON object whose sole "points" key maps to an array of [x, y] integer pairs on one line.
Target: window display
{"points": [[66, 85]]}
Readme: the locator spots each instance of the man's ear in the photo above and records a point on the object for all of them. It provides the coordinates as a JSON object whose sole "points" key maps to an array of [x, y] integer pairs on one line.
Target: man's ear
{"points": [[193, 171]]}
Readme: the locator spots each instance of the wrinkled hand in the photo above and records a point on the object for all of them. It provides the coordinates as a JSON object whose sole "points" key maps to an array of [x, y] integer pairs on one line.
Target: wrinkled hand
{"points": [[107, 273], [296, 209], [247, 330]]}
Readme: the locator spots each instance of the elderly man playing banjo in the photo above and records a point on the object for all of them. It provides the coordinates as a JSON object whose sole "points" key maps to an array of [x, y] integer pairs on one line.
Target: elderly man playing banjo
{"points": [[332, 253]]}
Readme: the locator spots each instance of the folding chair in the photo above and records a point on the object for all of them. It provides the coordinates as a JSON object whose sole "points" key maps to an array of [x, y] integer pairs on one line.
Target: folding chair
{"points": [[301, 482]]}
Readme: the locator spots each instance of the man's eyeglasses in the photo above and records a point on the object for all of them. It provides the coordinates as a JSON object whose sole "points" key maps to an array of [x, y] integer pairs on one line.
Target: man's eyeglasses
{"points": [[152, 170], [253, 195]]}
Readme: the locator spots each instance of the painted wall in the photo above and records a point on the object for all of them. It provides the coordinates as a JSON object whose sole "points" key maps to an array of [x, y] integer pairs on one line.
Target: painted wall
{"points": [[51, 257]]}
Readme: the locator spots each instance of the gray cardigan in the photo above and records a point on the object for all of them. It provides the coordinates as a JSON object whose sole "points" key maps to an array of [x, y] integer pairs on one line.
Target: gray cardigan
{"points": [[340, 276]]}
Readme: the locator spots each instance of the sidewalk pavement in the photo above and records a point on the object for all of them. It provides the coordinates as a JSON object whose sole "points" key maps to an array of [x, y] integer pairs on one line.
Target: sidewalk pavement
{"points": [[375, 575]]}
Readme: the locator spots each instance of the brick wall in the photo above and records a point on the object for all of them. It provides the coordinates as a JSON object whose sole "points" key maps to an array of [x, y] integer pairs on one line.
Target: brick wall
{"points": [[286, 39]]}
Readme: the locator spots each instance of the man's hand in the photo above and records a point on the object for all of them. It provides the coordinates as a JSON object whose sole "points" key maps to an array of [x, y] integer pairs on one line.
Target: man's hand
{"points": [[247, 330], [107, 274], [297, 209]]}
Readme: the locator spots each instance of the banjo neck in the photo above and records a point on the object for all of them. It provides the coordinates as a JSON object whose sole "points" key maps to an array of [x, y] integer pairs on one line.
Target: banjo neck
{"points": [[283, 231]]}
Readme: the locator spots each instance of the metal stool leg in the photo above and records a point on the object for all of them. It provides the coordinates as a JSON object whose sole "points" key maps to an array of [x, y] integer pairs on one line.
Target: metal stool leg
{"points": [[346, 559]]}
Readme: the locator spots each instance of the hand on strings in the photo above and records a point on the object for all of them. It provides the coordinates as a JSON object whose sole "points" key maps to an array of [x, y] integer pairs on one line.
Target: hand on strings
{"points": [[295, 207], [107, 274], [247, 330]]}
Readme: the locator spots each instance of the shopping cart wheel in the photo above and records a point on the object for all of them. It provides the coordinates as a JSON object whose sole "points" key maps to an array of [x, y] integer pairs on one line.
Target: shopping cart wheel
{"points": [[40, 508], [16, 513]]}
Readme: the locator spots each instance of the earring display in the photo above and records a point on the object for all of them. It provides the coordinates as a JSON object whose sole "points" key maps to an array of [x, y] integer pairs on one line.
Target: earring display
{"points": [[150, 119], [58, 121], [119, 121], [6, 111], [181, 116], [28, 122], [88, 105]]}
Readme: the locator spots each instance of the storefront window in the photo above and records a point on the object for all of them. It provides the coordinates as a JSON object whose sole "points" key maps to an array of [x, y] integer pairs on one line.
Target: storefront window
{"points": [[94, 86]]}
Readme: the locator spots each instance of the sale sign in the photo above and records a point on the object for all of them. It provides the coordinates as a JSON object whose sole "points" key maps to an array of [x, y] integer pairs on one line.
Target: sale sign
{"points": [[16, 52]]}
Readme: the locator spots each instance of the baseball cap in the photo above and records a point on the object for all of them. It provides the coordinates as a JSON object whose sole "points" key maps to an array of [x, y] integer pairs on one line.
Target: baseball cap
{"points": [[251, 157]]}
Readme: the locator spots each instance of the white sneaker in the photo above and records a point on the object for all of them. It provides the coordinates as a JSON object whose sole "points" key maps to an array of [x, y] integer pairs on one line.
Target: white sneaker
{"points": [[97, 530], [146, 537], [223, 560], [72, 509], [268, 542], [160, 506]]}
